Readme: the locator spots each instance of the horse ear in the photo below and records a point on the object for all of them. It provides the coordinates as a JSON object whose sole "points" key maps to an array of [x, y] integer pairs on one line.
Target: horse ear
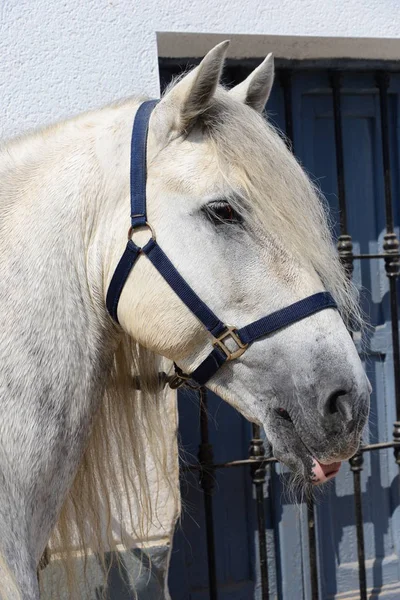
{"points": [[255, 90], [192, 94]]}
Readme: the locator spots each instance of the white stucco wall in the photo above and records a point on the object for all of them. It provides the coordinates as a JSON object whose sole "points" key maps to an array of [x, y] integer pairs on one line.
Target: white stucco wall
{"points": [[59, 58]]}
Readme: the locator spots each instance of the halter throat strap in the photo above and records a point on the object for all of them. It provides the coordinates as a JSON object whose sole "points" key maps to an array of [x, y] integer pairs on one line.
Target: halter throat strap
{"points": [[219, 331]]}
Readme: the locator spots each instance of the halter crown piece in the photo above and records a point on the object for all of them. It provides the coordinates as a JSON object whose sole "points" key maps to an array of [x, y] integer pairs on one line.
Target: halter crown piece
{"points": [[220, 332]]}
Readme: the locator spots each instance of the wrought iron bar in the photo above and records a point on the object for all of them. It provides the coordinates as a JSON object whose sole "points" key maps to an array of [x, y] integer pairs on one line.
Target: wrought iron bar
{"points": [[205, 457], [345, 243], [285, 78], [258, 473], [383, 82], [382, 255], [345, 249], [390, 247], [356, 465], [312, 549], [272, 516], [271, 459], [379, 446]]}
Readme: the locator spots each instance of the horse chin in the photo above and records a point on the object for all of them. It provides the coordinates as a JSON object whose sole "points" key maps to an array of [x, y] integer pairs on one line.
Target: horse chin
{"points": [[307, 470]]}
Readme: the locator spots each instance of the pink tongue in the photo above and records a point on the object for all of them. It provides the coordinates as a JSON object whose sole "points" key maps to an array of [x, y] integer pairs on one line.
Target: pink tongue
{"points": [[321, 473]]}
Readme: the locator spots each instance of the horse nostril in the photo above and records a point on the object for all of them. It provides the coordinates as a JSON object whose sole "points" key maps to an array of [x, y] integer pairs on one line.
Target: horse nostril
{"points": [[283, 414], [335, 404]]}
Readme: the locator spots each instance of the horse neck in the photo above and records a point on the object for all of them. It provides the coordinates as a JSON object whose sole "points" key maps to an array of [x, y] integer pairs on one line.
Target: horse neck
{"points": [[57, 341], [53, 197]]}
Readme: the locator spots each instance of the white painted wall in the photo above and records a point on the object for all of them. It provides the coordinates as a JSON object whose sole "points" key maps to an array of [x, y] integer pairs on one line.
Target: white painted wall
{"points": [[62, 57]]}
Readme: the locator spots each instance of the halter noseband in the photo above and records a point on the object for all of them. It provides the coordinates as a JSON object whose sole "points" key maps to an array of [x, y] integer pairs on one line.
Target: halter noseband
{"points": [[220, 332]]}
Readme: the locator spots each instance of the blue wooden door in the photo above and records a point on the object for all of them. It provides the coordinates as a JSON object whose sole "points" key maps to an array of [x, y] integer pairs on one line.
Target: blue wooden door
{"points": [[234, 504]]}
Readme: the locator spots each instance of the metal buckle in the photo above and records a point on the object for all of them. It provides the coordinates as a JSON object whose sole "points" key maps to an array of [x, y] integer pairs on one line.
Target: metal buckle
{"points": [[176, 381], [147, 224], [178, 378], [230, 332]]}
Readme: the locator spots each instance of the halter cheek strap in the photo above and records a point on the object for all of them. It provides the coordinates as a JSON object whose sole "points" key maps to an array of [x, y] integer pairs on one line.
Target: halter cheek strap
{"points": [[220, 332]]}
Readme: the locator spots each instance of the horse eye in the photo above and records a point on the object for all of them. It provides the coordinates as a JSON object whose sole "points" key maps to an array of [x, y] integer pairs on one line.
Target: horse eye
{"points": [[222, 212], [283, 414]]}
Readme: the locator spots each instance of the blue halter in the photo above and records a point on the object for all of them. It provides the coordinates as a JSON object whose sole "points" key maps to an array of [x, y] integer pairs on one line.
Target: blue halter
{"points": [[220, 332]]}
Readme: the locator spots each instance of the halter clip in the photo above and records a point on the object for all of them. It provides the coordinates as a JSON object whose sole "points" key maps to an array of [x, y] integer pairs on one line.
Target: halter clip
{"points": [[180, 378]]}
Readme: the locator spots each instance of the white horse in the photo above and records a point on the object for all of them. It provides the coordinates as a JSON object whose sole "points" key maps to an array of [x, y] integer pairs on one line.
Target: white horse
{"points": [[239, 219]]}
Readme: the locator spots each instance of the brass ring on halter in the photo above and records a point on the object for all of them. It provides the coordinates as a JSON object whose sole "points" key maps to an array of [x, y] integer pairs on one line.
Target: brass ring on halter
{"points": [[147, 224]]}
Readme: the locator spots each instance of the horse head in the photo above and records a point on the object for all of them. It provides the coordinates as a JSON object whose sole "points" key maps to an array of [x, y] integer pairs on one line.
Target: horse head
{"points": [[241, 222]]}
